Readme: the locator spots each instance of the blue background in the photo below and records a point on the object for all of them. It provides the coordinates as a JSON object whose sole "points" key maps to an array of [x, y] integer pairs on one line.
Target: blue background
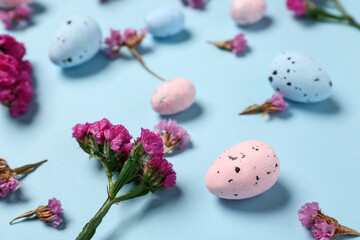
{"points": [[318, 144]]}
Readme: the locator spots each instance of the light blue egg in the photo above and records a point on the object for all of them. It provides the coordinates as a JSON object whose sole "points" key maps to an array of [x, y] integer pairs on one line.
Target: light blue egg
{"points": [[299, 78], [76, 41], [165, 22]]}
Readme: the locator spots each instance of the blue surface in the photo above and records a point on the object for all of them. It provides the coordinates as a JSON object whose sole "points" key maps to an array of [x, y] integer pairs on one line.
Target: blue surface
{"points": [[317, 143]]}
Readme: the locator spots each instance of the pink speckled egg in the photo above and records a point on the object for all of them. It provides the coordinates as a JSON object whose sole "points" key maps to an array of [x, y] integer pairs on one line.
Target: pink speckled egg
{"points": [[13, 3], [173, 96], [245, 12], [243, 171]]}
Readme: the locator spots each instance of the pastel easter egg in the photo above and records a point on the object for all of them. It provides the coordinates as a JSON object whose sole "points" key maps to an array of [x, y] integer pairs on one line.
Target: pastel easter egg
{"points": [[299, 78], [245, 12], [165, 22], [173, 96], [76, 41], [245, 170], [14, 3]]}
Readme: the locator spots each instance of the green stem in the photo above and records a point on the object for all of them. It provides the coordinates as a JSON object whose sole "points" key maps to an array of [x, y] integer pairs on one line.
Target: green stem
{"points": [[140, 190], [90, 228], [341, 8]]}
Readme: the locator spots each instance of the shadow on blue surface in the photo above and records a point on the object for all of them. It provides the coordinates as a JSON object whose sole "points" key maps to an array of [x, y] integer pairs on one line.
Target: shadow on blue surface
{"points": [[164, 197], [264, 23], [15, 197], [275, 198], [329, 106], [195, 111], [183, 36], [98, 63]]}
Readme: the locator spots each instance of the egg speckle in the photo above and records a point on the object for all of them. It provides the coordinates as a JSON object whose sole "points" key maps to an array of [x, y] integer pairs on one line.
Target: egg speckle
{"points": [[299, 78], [165, 22], [245, 170], [76, 41]]}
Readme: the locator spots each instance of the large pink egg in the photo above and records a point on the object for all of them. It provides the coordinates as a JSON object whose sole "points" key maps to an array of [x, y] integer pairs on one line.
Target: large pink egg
{"points": [[13, 3], [245, 170], [245, 12], [173, 96]]}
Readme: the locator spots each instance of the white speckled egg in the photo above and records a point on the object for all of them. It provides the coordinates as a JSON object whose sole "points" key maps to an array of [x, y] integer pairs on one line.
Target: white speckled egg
{"points": [[245, 170], [76, 41], [173, 96], [246, 12], [299, 78], [165, 22]]}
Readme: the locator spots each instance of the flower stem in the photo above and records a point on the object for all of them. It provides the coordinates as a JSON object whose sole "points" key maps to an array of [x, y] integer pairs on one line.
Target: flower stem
{"points": [[138, 191], [27, 168], [90, 228], [348, 18], [139, 58], [27, 214]]}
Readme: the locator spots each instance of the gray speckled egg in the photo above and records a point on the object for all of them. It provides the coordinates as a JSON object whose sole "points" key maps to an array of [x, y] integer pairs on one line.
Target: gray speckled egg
{"points": [[165, 22], [299, 78], [76, 41]]}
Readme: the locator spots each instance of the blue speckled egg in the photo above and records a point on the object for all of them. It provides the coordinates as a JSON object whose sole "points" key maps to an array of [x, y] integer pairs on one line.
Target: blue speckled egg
{"points": [[165, 22], [299, 78], [76, 41]]}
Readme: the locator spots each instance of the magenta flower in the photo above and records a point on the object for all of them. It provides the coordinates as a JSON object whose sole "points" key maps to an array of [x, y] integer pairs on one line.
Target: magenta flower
{"points": [[194, 3], [114, 42], [278, 100], [10, 185], [10, 18], [151, 142], [172, 135], [15, 76], [129, 33], [307, 213], [239, 44], [321, 230], [80, 130], [298, 6], [160, 172], [56, 210], [97, 129], [120, 139]]}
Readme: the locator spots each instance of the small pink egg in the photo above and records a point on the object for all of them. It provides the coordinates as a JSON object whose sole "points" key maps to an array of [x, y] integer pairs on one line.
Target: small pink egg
{"points": [[173, 96], [245, 170], [246, 12], [13, 3]]}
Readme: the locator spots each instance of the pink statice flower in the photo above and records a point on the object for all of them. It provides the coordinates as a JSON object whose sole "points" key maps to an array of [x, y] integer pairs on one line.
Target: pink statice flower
{"points": [[151, 142], [172, 135], [113, 43], [80, 130], [278, 100], [298, 6], [239, 44], [9, 185], [194, 3], [16, 91], [119, 138], [321, 230], [56, 210], [307, 213], [129, 33], [160, 174], [11, 18]]}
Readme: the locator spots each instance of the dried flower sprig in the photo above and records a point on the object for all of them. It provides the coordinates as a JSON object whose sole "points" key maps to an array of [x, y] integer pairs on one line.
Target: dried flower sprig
{"points": [[49, 213], [13, 17], [15, 76], [130, 39], [237, 45], [141, 159], [8, 176], [172, 135], [273, 105], [322, 226], [194, 3], [309, 8]]}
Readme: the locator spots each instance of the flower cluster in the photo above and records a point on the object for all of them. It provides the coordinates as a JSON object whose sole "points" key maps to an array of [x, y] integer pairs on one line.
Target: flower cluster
{"points": [[49, 213], [158, 173], [194, 3], [13, 17], [172, 135], [7, 185], [151, 142], [298, 6], [322, 226], [15, 76], [237, 45], [273, 105], [130, 38]]}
